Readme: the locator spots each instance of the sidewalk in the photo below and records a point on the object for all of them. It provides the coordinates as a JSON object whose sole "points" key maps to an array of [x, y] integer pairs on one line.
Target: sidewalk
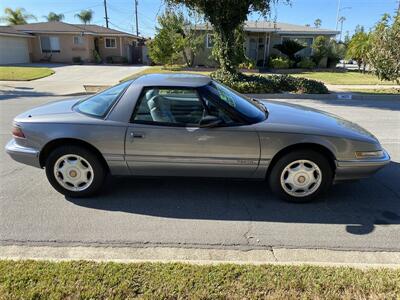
{"points": [[347, 87]]}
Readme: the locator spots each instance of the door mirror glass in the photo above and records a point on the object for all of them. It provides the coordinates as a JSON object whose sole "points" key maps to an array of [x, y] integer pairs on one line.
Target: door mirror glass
{"points": [[210, 121]]}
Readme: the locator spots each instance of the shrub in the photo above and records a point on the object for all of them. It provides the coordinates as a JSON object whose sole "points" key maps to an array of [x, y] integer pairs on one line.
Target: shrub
{"points": [[77, 60], [280, 63], [96, 56], [306, 63], [109, 59], [264, 84], [248, 64], [289, 48]]}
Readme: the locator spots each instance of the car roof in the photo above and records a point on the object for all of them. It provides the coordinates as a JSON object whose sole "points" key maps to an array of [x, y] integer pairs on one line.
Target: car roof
{"points": [[173, 79]]}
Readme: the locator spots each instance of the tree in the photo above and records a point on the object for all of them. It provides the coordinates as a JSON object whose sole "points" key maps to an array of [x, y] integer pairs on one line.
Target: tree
{"points": [[320, 48], [226, 17], [317, 23], [358, 48], [385, 48], [16, 17], [324, 47], [175, 39], [52, 16], [289, 48], [85, 16]]}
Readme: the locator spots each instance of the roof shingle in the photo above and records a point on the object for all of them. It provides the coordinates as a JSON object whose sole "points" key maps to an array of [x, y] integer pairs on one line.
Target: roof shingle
{"points": [[61, 27]]}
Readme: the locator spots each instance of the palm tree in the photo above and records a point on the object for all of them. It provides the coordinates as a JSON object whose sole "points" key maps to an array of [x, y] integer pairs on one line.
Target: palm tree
{"points": [[16, 17], [52, 16], [85, 16], [318, 23]]}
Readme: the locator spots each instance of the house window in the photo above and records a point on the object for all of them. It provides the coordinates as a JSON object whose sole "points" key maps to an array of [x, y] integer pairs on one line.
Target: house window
{"points": [[50, 44], [78, 40], [210, 40], [111, 43]]}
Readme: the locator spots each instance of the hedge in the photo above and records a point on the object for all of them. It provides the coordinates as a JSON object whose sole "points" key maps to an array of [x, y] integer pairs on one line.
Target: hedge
{"points": [[266, 84]]}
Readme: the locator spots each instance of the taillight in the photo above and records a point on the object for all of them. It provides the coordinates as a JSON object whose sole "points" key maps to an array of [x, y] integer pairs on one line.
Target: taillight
{"points": [[17, 132]]}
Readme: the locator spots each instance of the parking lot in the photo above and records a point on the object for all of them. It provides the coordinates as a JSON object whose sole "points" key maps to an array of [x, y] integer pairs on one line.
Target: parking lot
{"points": [[207, 213]]}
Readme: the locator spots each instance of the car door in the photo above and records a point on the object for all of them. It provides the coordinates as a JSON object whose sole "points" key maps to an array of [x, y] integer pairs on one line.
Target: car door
{"points": [[164, 139]]}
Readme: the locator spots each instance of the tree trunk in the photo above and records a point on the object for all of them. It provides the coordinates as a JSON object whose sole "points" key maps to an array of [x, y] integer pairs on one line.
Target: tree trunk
{"points": [[185, 58], [226, 50]]}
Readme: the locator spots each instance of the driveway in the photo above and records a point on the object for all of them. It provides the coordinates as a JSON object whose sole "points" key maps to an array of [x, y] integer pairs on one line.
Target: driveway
{"points": [[69, 79], [363, 215]]}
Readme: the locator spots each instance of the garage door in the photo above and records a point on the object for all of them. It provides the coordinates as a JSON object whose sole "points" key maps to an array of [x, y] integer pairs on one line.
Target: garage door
{"points": [[13, 50]]}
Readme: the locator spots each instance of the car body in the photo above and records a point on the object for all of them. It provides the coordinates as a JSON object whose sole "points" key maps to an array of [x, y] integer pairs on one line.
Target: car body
{"points": [[190, 125]]}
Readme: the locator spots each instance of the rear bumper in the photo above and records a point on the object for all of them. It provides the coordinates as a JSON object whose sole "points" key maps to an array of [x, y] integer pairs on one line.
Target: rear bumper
{"points": [[357, 169], [25, 155]]}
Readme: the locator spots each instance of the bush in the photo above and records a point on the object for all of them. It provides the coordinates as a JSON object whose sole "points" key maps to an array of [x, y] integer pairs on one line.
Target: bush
{"points": [[77, 60], [109, 59], [280, 63], [264, 84], [306, 63], [248, 64]]}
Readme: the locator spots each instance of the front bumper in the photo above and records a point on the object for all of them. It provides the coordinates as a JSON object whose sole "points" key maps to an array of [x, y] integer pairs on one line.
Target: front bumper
{"points": [[356, 169], [25, 155]]}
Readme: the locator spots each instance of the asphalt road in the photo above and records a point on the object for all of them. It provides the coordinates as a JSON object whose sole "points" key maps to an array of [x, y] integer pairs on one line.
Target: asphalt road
{"points": [[363, 215]]}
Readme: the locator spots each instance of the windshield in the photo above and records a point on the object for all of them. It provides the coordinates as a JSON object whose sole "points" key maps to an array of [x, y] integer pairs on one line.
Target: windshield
{"points": [[251, 110], [99, 104]]}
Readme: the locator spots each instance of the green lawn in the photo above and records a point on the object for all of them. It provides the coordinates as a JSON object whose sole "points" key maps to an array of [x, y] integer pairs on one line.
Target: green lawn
{"points": [[89, 280], [163, 69], [24, 73], [343, 78]]}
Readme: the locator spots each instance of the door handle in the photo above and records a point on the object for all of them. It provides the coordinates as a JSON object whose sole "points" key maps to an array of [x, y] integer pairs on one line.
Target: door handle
{"points": [[137, 135]]}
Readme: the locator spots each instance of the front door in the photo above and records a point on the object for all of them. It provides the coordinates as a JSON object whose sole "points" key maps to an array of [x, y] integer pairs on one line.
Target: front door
{"points": [[165, 139]]}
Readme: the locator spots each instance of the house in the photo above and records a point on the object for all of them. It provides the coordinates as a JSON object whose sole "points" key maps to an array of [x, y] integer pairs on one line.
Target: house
{"points": [[67, 43], [260, 38], [14, 46]]}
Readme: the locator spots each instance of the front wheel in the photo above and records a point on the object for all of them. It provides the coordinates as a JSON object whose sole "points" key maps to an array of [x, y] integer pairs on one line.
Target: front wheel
{"points": [[301, 176], [74, 171]]}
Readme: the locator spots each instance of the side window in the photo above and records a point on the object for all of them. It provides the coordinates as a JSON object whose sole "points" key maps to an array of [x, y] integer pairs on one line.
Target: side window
{"points": [[215, 111], [169, 106]]}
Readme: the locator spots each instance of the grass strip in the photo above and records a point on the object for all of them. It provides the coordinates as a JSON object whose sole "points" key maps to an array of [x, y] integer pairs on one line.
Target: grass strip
{"points": [[90, 280], [24, 73]]}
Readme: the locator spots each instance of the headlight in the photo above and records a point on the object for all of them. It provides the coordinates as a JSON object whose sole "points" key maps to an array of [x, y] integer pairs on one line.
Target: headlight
{"points": [[369, 154]]}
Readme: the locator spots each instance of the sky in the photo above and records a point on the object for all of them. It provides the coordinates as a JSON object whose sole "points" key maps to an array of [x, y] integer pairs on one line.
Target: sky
{"points": [[121, 12]]}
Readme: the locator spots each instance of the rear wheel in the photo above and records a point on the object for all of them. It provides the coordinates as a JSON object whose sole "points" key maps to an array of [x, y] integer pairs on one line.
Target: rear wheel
{"points": [[75, 171], [301, 176]]}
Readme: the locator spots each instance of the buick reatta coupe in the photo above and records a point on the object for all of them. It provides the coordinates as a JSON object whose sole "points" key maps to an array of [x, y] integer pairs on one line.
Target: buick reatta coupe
{"points": [[190, 125]]}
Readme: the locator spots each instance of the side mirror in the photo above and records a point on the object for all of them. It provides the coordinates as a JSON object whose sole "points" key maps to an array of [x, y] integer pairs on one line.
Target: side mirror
{"points": [[210, 121]]}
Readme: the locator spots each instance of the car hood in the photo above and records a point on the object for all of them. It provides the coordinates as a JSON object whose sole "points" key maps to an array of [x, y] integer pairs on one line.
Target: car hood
{"points": [[294, 118], [53, 111]]}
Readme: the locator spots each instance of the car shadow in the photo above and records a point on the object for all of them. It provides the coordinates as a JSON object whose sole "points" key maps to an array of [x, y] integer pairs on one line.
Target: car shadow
{"points": [[360, 205]]}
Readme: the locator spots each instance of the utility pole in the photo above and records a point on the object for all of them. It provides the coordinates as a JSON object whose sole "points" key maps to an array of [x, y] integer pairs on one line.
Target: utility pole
{"points": [[136, 18], [337, 14], [105, 12], [341, 20]]}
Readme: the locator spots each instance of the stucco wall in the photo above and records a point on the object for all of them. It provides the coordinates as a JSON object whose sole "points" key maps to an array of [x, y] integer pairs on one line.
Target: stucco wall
{"points": [[67, 48]]}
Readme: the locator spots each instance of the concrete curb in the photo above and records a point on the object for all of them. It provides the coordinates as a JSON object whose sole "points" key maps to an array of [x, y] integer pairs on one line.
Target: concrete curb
{"points": [[281, 256]]}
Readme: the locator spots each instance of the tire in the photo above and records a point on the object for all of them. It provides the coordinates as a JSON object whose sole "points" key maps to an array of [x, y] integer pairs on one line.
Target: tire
{"points": [[301, 176], [75, 171]]}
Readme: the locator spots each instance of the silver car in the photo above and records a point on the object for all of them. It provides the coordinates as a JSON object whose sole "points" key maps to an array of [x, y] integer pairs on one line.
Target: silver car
{"points": [[190, 125]]}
